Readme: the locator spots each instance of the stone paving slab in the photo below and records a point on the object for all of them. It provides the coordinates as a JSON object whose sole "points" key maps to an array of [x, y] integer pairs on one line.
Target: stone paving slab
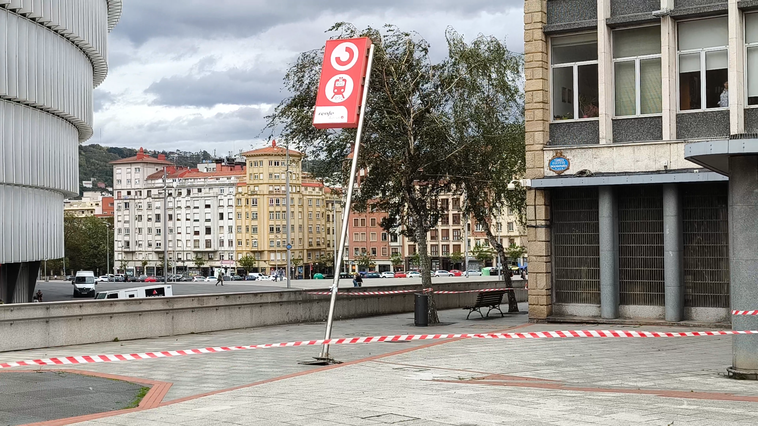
{"points": [[197, 374], [618, 381]]}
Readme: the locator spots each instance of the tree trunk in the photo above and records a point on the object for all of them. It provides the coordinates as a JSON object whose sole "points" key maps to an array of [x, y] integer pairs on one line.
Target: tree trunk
{"points": [[426, 272], [512, 303]]}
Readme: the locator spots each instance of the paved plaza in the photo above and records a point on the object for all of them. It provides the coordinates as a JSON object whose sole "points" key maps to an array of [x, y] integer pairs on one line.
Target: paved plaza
{"points": [[624, 381]]}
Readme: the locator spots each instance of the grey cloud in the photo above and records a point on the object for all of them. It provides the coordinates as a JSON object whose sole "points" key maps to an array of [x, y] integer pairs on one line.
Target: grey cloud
{"points": [[224, 132], [102, 99], [146, 19], [234, 86]]}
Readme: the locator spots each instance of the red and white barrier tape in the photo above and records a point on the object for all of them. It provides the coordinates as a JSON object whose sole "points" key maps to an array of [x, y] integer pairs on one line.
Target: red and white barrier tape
{"points": [[426, 290], [70, 360], [744, 312]]}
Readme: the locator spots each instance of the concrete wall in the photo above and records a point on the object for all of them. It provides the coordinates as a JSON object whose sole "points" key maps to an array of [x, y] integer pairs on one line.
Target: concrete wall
{"points": [[41, 325], [618, 158], [584, 132]]}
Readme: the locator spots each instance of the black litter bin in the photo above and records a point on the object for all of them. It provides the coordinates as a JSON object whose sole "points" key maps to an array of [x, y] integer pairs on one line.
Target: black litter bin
{"points": [[421, 305]]}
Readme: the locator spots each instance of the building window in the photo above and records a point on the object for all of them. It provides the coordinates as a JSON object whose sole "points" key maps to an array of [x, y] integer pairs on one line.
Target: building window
{"points": [[574, 63], [751, 39], [703, 63], [637, 71]]}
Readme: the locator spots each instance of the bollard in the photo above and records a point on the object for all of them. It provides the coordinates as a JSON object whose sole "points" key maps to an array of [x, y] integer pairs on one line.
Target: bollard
{"points": [[421, 312]]}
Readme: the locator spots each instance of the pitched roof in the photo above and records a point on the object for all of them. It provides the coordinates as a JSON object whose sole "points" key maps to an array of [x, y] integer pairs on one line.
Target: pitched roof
{"points": [[141, 157], [271, 150], [189, 173]]}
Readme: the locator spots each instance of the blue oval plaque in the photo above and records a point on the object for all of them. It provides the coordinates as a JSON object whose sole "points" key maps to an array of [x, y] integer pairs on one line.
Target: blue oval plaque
{"points": [[558, 163]]}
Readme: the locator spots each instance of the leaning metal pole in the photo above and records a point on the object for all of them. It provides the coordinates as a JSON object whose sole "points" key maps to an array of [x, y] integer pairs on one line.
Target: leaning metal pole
{"points": [[289, 237], [348, 202], [165, 235]]}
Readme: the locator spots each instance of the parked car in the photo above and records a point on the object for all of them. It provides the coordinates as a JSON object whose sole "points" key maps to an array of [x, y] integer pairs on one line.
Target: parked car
{"points": [[441, 273], [210, 279], [346, 275], [236, 278], [252, 276], [101, 279], [414, 274], [142, 278], [198, 279], [372, 275], [473, 273], [131, 279], [387, 274], [400, 274], [455, 273], [69, 277], [151, 280], [266, 278]]}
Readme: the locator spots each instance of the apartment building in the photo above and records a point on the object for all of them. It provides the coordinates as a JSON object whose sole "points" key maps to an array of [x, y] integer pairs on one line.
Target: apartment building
{"points": [[369, 242], [92, 203], [626, 101], [196, 213], [261, 214]]}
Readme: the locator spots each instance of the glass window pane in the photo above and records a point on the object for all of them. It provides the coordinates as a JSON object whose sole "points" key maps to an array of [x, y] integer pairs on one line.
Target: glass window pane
{"points": [[626, 98], [637, 42], [574, 49], [563, 93], [752, 76], [650, 86], [703, 33], [689, 81], [588, 97], [751, 27], [716, 77]]}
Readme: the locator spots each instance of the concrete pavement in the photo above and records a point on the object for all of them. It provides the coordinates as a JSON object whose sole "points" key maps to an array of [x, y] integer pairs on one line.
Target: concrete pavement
{"points": [[659, 381]]}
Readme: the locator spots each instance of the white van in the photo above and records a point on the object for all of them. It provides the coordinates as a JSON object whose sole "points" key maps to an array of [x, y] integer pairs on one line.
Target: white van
{"points": [[138, 292], [84, 284]]}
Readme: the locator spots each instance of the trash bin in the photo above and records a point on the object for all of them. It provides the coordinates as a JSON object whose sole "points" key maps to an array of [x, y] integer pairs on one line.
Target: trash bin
{"points": [[421, 305], [486, 272]]}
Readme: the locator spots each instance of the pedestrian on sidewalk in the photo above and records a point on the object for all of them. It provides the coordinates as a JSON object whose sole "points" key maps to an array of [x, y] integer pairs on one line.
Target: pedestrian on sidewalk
{"points": [[220, 279], [357, 280]]}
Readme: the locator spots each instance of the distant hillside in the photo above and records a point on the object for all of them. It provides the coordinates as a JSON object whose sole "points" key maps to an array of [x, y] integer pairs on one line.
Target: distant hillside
{"points": [[94, 161]]}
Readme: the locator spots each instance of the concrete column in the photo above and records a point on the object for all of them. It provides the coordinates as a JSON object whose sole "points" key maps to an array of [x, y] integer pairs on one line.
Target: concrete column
{"points": [[17, 281], [672, 253], [743, 261], [604, 72], [608, 229], [668, 76], [736, 69]]}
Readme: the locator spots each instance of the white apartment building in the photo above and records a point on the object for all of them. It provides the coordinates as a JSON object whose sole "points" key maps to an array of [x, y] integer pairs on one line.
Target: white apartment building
{"points": [[192, 223]]}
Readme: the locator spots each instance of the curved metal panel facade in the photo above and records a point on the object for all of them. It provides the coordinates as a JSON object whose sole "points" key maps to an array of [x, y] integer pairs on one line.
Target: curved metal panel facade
{"points": [[44, 151], [84, 22], [52, 54], [32, 225], [46, 71]]}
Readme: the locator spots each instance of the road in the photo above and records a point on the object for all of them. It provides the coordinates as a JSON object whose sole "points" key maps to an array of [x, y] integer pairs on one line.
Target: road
{"points": [[59, 291]]}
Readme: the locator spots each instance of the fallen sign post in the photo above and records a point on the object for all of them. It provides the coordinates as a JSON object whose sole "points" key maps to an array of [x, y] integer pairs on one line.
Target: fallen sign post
{"points": [[342, 92], [87, 359]]}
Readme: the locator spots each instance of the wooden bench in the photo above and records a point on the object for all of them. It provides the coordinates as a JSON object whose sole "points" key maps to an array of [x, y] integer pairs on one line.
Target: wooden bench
{"points": [[487, 299]]}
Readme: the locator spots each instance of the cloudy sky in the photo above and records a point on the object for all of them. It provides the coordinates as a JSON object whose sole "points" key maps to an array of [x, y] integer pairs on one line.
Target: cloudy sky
{"points": [[195, 74]]}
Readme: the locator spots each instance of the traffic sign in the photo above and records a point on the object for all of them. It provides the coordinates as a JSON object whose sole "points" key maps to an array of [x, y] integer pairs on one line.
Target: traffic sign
{"points": [[289, 246], [340, 90]]}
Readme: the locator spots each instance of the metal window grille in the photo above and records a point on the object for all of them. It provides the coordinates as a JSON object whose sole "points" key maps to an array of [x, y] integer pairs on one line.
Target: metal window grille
{"points": [[576, 246], [706, 245], [640, 225]]}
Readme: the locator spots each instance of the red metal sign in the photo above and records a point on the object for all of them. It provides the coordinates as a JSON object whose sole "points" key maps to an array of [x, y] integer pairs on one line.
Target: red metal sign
{"points": [[340, 90]]}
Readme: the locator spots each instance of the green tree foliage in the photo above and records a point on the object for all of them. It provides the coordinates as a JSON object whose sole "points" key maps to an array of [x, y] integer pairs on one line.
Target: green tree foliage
{"points": [[410, 123], [488, 119], [456, 257], [396, 259], [482, 253], [247, 263], [87, 242], [365, 260], [514, 252], [199, 261]]}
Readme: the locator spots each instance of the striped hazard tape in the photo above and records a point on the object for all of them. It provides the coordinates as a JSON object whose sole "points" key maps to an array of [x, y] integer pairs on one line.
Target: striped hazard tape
{"points": [[426, 290], [87, 359], [744, 312]]}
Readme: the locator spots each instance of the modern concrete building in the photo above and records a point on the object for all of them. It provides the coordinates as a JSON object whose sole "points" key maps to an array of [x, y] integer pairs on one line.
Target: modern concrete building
{"points": [[92, 203], [197, 217], [625, 101], [52, 55]]}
